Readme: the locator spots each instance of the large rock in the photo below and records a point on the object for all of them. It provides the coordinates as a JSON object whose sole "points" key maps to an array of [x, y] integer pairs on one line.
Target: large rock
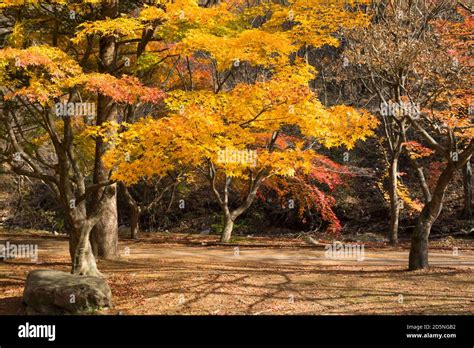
{"points": [[56, 292]]}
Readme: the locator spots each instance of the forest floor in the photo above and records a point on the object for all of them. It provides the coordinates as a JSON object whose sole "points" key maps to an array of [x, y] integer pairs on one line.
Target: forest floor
{"points": [[192, 274]]}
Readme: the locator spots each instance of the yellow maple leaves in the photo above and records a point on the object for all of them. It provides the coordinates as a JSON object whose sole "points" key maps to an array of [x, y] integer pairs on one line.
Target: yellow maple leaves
{"points": [[312, 22], [235, 126], [120, 27], [253, 46], [203, 125]]}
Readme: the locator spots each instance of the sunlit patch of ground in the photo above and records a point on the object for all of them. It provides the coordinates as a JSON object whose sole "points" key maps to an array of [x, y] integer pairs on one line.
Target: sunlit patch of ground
{"points": [[183, 276]]}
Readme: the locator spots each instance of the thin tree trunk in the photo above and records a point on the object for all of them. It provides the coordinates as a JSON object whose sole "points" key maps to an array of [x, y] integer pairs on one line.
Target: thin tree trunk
{"points": [[230, 216], [468, 195], [394, 202], [134, 222], [422, 180], [135, 211]]}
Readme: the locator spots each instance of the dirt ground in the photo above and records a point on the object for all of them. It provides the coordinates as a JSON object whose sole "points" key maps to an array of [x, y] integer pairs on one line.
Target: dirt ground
{"points": [[169, 274]]}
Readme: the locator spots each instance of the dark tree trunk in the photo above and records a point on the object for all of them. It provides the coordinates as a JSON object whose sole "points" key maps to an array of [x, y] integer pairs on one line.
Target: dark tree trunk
{"points": [[418, 258], [419, 244], [134, 222], [467, 184], [135, 211]]}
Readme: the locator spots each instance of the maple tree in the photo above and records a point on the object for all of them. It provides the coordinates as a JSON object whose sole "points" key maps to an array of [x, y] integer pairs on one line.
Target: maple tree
{"points": [[421, 107], [43, 67], [456, 38], [243, 93], [385, 56], [446, 127]]}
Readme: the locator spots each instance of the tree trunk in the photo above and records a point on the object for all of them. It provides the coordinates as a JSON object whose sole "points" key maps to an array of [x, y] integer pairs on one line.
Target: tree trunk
{"points": [[419, 244], [135, 211], [104, 236], [394, 202], [134, 222], [422, 180], [468, 196], [231, 216], [83, 261], [418, 258], [228, 227]]}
